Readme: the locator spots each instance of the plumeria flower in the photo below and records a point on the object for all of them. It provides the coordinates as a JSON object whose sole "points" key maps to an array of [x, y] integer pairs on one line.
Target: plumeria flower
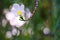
{"points": [[17, 14]]}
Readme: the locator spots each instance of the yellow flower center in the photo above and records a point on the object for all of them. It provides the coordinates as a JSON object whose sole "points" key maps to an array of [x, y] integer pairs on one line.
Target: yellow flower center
{"points": [[19, 12]]}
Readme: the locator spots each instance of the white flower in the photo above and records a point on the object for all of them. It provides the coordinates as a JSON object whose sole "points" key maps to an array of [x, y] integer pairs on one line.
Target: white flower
{"points": [[13, 22], [14, 15], [8, 34], [17, 14], [46, 31]]}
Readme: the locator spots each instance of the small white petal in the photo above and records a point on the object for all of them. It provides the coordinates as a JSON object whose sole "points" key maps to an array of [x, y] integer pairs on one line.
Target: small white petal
{"points": [[13, 9], [15, 13], [8, 34], [19, 23], [14, 31], [46, 31], [13, 22], [4, 22], [9, 16], [15, 5], [22, 7], [28, 13]]}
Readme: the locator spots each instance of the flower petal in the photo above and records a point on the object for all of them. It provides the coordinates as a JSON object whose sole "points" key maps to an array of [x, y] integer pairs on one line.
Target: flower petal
{"points": [[22, 7], [19, 23], [15, 5], [9, 16], [14, 31], [15, 13], [28, 13]]}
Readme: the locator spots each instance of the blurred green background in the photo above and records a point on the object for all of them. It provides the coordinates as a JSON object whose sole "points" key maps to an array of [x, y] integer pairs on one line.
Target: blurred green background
{"points": [[47, 14]]}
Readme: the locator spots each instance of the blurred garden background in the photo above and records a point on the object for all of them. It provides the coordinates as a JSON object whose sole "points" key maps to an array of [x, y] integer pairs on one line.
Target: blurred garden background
{"points": [[44, 25]]}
